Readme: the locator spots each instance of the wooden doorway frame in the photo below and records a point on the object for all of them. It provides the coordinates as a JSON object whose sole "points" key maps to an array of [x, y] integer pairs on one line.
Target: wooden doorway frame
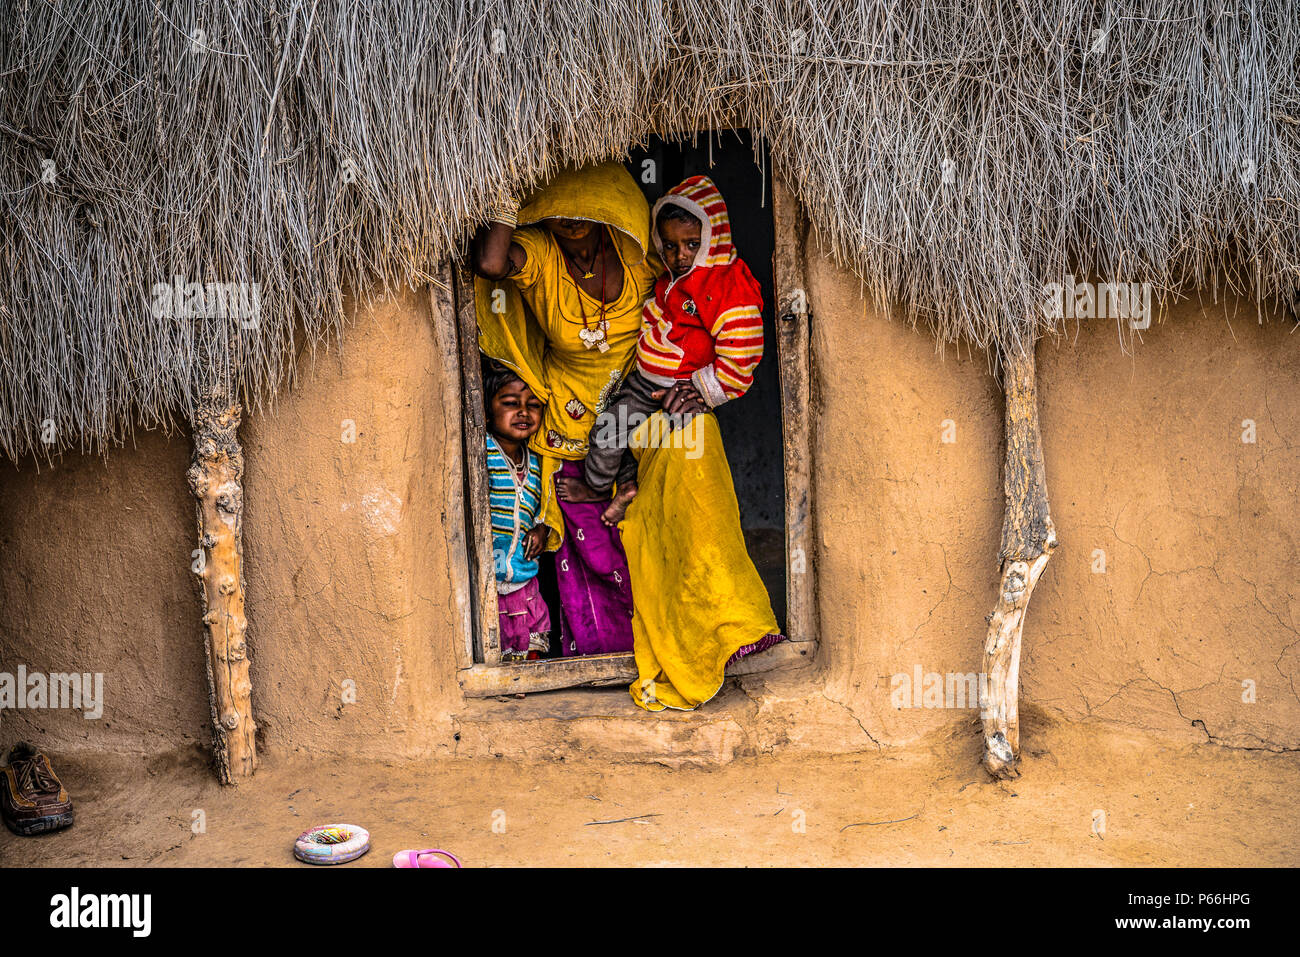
{"points": [[481, 673]]}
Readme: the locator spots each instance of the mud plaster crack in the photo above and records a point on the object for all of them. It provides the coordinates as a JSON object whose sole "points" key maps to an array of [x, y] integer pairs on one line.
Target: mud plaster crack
{"points": [[1290, 679], [952, 585], [1114, 530], [311, 561], [1209, 735], [942, 598], [1278, 665], [1119, 691], [855, 718], [1172, 571], [1176, 571], [1273, 422], [1275, 616]]}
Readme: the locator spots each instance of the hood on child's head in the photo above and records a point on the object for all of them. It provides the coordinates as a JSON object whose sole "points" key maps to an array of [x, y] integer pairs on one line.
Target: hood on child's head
{"points": [[699, 197]]}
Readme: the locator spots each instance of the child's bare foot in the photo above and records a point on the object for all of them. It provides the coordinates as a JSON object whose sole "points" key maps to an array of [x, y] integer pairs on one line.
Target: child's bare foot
{"points": [[569, 489], [618, 508]]}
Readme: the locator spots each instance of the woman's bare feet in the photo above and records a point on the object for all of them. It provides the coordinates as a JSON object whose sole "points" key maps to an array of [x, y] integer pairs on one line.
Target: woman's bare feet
{"points": [[618, 508], [570, 489]]}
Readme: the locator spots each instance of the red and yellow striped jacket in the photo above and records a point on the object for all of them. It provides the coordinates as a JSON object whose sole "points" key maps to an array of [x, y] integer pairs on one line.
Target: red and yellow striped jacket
{"points": [[706, 326]]}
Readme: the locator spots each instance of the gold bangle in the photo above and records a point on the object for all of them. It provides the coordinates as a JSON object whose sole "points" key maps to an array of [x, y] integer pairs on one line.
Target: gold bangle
{"points": [[504, 211]]}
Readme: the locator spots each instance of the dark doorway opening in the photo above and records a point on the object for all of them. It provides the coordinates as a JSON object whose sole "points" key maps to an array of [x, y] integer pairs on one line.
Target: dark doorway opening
{"points": [[766, 432]]}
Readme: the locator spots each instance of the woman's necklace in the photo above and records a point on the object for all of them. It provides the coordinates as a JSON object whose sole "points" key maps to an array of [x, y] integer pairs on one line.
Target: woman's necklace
{"points": [[594, 338], [587, 273]]}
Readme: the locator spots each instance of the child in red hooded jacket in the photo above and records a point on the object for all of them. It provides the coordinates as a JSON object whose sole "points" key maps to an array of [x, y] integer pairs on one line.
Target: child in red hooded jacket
{"points": [[701, 334]]}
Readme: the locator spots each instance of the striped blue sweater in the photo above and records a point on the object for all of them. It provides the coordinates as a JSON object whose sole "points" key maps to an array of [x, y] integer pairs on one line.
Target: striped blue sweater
{"points": [[514, 510]]}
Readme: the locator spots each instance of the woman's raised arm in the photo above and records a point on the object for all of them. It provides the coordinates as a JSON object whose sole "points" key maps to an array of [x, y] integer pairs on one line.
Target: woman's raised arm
{"points": [[495, 256]]}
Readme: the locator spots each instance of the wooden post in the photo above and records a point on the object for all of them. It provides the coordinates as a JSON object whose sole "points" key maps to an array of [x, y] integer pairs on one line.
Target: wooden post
{"points": [[474, 426], [442, 305], [215, 477], [790, 229], [1028, 538]]}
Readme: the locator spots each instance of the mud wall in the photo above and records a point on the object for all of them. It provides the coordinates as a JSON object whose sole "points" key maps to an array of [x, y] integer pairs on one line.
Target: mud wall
{"points": [[1171, 602], [1175, 473], [353, 620], [351, 615], [95, 577], [907, 453], [347, 558]]}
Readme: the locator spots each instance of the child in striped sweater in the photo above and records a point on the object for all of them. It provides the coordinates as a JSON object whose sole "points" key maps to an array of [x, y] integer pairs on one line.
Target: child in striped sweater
{"points": [[514, 414], [701, 335]]}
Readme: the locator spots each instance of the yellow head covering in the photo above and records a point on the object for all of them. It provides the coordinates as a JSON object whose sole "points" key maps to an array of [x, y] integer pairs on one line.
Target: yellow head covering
{"points": [[602, 194], [606, 193]]}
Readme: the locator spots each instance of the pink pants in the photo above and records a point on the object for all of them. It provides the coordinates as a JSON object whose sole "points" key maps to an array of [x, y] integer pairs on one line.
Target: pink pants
{"points": [[525, 620]]}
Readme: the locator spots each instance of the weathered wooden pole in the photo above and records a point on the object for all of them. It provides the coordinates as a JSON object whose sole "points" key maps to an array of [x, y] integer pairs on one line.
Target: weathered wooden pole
{"points": [[1028, 538], [215, 477]]}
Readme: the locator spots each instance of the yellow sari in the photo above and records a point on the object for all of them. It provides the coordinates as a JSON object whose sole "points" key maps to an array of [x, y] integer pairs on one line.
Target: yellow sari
{"points": [[533, 320], [698, 598]]}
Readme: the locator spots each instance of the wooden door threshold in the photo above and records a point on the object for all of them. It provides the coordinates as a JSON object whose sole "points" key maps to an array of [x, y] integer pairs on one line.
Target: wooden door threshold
{"points": [[593, 671]]}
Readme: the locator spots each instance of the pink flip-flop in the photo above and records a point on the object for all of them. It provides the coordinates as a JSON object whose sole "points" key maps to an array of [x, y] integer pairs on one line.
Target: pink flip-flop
{"points": [[424, 858]]}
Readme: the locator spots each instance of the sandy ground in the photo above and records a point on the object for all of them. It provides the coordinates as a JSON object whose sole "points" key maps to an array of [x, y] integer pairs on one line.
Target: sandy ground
{"points": [[931, 805]]}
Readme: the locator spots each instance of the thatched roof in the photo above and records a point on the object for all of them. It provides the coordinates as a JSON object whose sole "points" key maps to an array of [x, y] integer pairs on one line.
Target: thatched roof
{"points": [[317, 147]]}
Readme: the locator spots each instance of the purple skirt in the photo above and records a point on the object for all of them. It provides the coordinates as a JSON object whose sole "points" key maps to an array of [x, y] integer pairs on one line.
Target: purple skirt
{"points": [[595, 587], [764, 643]]}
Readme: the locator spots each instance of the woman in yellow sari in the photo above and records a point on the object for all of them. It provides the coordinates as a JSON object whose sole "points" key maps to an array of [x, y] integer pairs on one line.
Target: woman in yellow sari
{"points": [[560, 293]]}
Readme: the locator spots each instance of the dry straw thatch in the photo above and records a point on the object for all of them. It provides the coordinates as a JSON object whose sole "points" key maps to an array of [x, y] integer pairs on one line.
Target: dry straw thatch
{"points": [[320, 146]]}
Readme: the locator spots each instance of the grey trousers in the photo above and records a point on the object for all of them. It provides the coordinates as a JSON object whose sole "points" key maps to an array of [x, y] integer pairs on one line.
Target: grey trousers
{"points": [[609, 460]]}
